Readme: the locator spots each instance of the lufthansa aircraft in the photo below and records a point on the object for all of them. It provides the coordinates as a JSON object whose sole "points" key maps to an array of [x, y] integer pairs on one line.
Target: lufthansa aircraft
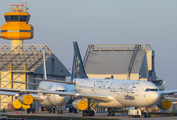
{"points": [[105, 92]]}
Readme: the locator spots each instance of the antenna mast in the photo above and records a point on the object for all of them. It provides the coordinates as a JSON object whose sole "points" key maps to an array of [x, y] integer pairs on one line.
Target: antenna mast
{"points": [[25, 5]]}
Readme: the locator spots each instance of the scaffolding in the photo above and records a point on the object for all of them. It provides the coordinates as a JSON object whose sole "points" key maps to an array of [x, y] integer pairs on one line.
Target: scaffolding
{"points": [[16, 63]]}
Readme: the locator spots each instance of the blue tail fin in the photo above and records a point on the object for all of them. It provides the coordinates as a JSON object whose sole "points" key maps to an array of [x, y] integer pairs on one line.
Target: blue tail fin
{"points": [[74, 73], [78, 68]]}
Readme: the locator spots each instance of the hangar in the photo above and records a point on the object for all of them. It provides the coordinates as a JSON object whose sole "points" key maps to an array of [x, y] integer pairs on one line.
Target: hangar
{"points": [[121, 61]]}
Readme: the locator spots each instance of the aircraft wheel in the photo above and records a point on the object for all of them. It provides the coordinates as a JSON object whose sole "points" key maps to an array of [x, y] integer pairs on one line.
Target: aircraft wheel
{"points": [[148, 115], [33, 110], [53, 110], [92, 113], [109, 111], [28, 110], [84, 113], [70, 110], [42, 108], [113, 113], [58, 111], [50, 110], [75, 110]]}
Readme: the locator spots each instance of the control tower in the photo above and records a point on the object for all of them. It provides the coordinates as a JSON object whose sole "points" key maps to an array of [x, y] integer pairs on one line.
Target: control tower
{"points": [[17, 28], [21, 63]]}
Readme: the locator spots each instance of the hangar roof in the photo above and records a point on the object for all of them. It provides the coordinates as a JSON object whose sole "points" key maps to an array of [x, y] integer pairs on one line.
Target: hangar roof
{"points": [[114, 59], [32, 56]]}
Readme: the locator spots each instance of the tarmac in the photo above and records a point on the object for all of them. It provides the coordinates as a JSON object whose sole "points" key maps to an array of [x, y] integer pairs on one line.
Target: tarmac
{"points": [[121, 116]]}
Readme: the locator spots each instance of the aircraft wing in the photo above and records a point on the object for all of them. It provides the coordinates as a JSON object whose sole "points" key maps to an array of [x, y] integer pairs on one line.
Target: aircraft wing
{"points": [[168, 92], [8, 93], [15, 93], [57, 81], [102, 97]]}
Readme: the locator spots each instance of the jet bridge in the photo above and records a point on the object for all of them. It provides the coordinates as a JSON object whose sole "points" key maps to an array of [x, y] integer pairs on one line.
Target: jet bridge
{"points": [[122, 61]]}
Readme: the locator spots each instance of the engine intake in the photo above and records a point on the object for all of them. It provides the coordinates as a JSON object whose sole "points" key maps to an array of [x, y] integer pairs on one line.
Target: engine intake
{"points": [[17, 104], [164, 104], [80, 104], [26, 99]]}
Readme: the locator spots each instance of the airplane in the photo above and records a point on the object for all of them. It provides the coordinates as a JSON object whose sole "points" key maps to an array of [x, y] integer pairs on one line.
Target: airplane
{"points": [[22, 98], [109, 93]]}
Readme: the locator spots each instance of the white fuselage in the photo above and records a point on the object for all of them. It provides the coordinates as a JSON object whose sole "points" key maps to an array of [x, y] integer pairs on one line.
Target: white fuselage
{"points": [[126, 93], [54, 99]]}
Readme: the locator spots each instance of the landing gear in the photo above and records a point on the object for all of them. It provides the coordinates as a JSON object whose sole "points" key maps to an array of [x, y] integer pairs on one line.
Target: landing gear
{"points": [[72, 109], [42, 108], [28, 110], [147, 113], [110, 112], [50, 110], [88, 112], [53, 110], [31, 109], [60, 111]]}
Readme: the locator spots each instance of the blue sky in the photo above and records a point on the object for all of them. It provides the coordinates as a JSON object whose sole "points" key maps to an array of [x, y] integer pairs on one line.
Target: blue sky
{"points": [[58, 23]]}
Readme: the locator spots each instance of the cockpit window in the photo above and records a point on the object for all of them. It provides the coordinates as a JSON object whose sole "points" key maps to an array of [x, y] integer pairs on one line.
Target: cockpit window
{"points": [[148, 89], [61, 90]]}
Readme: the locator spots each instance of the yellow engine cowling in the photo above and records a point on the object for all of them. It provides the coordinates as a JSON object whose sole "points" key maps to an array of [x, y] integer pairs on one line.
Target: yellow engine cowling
{"points": [[80, 104], [17, 104], [164, 104], [26, 99]]}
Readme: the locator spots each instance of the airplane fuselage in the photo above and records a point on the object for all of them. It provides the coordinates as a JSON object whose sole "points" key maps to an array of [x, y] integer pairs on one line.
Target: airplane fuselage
{"points": [[54, 99], [126, 93]]}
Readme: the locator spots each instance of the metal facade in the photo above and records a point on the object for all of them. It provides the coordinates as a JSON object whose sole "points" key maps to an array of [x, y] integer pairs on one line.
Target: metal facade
{"points": [[25, 64], [123, 61]]}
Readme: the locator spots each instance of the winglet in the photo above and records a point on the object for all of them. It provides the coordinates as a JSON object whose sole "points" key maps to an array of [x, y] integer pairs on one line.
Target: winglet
{"points": [[78, 62]]}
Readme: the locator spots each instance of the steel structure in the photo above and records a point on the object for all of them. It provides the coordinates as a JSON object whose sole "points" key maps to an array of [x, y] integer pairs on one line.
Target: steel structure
{"points": [[14, 66], [125, 60]]}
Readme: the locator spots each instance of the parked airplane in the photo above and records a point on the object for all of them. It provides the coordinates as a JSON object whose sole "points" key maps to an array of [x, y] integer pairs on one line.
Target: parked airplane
{"points": [[47, 100], [106, 93]]}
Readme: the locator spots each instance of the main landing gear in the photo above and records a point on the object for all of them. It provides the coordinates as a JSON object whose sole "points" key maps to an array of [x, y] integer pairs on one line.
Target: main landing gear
{"points": [[60, 111], [88, 112], [110, 111], [72, 110], [31, 109]]}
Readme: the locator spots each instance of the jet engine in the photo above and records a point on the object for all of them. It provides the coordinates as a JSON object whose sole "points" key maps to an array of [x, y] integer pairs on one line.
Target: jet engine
{"points": [[164, 104], [80, 104], [26, 99], [17, 104]]}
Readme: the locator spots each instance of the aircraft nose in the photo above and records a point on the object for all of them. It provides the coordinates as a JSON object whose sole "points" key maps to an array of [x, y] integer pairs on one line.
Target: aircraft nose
{"points": [[154, 97]]}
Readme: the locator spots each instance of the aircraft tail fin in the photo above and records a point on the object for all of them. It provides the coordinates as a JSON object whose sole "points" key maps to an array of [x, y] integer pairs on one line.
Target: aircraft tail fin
{"points": [[79, 70], [74, 73]]}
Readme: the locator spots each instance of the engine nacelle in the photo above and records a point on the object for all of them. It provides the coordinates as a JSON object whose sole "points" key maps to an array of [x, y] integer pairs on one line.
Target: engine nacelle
{"points": [[164, 104], [26, 99], [17, 104], [80, 104]]}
